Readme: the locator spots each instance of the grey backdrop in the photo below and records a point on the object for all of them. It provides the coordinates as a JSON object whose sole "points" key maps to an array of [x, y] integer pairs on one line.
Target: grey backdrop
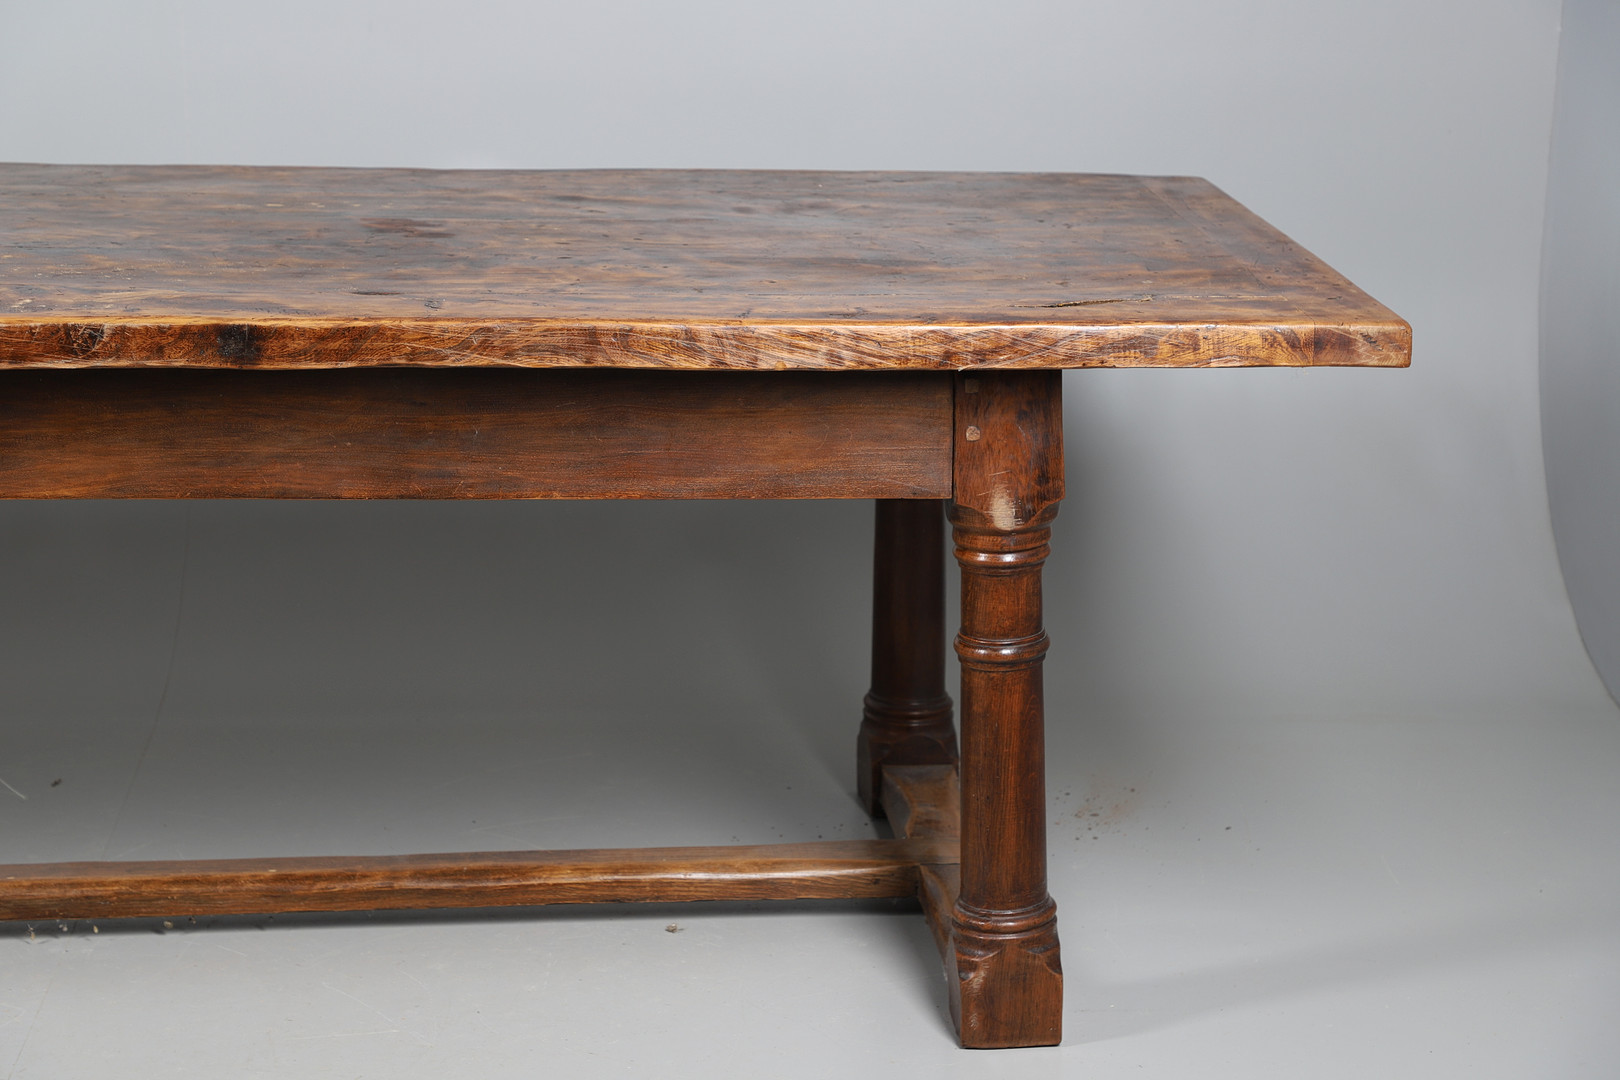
{"points": [[1250, 565], [1276, 535], [1580, 291]]}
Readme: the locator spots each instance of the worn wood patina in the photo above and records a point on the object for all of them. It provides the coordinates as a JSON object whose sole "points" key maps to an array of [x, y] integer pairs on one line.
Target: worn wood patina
{"points": [[336, 333], [289, 268]]}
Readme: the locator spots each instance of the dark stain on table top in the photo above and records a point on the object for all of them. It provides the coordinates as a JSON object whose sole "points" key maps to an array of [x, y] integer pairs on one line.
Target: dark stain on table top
{"points": [[202, 266]]}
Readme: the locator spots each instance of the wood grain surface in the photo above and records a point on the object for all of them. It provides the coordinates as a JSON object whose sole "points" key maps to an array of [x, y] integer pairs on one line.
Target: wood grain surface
{"points": [[829, 869], [202, 266], [1006, 975], [474, 434], [925, 802], [906, 715]]}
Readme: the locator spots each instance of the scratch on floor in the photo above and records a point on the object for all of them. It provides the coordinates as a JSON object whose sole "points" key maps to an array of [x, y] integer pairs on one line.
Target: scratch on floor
{"points": [[168, 674], [367, 1005], [14, 791]]}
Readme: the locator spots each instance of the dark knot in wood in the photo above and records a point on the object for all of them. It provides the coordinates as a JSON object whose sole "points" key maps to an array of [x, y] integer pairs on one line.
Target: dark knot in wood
{"points": [[239, 343]]}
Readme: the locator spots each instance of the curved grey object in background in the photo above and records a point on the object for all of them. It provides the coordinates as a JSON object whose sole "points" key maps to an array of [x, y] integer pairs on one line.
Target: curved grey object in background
{"points": [[1580, 354]]}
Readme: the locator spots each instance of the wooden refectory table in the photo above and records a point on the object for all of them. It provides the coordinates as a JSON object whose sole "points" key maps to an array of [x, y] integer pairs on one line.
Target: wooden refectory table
{"points": [[200, 332]]}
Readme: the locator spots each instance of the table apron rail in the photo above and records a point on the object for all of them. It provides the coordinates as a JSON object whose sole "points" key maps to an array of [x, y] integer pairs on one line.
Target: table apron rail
{"points": [[474, 434]]}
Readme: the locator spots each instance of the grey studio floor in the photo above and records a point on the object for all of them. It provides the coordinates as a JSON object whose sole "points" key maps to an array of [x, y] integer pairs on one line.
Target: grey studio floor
{"points": [[1244, 891]]}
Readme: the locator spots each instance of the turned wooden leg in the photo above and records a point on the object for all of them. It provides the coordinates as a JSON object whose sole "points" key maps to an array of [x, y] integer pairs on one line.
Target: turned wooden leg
{"points": [[1005, 980], [907, 719]]}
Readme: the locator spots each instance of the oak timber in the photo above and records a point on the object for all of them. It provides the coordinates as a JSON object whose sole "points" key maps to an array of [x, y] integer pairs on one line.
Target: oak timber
{"points": [[906, 716], [924, 802], [1003, 928], [825, 869], [474, 434], [204, 266]]}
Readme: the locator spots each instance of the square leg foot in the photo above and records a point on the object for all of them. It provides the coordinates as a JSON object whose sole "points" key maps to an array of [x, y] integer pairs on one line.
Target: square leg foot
{"points": [[1005, 990]]}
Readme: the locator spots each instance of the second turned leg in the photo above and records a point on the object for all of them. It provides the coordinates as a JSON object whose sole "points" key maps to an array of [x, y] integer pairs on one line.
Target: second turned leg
{"points": [[907, 718]]}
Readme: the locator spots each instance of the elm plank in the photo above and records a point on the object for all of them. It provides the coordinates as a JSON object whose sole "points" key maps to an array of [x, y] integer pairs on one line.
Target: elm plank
{"points": [[204, 266], [823, 870], [473, 434]]}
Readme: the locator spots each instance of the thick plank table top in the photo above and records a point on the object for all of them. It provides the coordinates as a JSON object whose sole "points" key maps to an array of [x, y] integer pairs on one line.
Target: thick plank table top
{"points": [[317, 268], [171, 333]]}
